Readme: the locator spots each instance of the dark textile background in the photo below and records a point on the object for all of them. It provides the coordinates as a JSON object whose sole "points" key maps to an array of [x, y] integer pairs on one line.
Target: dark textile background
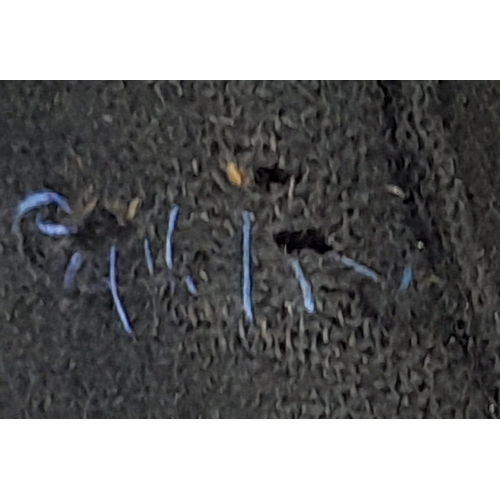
{"points": [[320, 156]]}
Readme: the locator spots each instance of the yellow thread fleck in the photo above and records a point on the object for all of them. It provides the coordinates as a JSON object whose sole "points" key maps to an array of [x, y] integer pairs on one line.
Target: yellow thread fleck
{"points": [[236, 175]]}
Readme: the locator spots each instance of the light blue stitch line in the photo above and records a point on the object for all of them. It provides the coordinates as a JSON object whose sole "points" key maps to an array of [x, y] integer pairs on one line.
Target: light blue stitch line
{"points": [[357, 267], [149, 256], [114, 291], [247, 266], [407, 278], [304, 285], [53, 229], [191, 286], [74, 264], [41, 198], [172, 221]]}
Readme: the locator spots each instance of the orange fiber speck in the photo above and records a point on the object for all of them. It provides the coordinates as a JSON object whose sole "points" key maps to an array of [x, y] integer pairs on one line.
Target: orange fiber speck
{"points": [[234, 174]]}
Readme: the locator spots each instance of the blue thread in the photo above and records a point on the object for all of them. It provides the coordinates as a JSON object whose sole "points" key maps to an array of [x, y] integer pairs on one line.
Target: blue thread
{"points": [[172, 221], [247, 266], [191, 286], [407, 278], [53, 229], [74, 264], [114, 291], [149, 256], [41, 198], [305, 286], [357, 267]]}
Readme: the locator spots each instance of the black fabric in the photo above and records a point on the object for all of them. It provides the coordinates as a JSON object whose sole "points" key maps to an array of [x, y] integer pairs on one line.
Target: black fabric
{"points": [[323, 159]]}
